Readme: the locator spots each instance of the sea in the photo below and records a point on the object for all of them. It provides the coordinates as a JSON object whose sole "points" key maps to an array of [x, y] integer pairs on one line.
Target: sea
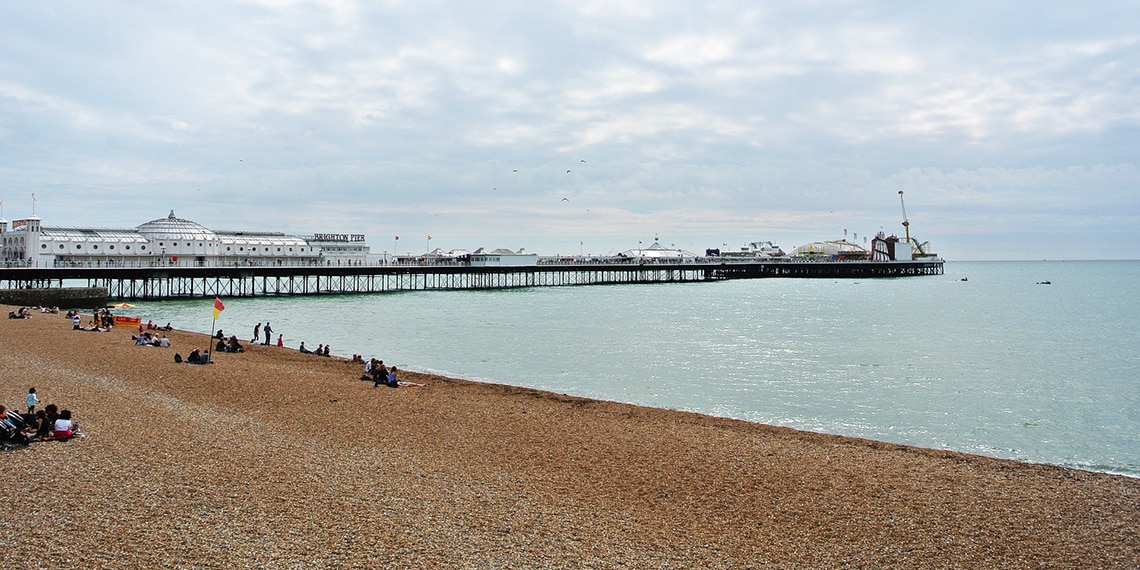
{"points": [[1036, 361]]}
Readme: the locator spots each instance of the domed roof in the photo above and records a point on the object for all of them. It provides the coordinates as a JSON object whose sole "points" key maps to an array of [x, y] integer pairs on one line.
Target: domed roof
{"points": [[829, 248], [173, 228]]}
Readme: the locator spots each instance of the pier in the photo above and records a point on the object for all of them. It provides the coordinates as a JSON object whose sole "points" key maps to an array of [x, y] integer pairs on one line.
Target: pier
{"points": [[162, 283]]}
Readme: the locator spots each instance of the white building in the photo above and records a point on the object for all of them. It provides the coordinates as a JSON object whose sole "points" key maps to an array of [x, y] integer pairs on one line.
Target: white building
{"points": [[502, 257], [170, 241], [839, 249], [658, 253]]}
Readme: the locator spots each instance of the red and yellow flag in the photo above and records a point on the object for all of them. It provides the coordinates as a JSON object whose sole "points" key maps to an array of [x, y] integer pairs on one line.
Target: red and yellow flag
{"points": [[218, 307]]}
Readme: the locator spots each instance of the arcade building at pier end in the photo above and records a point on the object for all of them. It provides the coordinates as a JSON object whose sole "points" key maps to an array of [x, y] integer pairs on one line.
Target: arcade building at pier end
{"points": [[173, 242]]}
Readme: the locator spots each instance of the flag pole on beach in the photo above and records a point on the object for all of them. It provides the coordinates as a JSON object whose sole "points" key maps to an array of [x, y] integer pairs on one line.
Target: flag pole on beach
{"points": [[218, 308]]}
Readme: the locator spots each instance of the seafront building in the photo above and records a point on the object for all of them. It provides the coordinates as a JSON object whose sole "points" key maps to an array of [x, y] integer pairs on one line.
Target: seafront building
{"points": [[172, 242]]}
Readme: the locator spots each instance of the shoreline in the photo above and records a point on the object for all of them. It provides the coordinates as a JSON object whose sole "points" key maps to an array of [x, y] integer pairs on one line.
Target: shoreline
{"points": [[273, 458], [444, 374]]}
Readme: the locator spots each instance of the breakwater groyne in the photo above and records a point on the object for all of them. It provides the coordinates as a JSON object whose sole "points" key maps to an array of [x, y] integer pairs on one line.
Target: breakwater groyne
{"points": [[158, 283], [69, 297]]}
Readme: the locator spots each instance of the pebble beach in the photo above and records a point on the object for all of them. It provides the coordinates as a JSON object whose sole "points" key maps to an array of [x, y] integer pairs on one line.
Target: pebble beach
{"points": [[276, 459]]}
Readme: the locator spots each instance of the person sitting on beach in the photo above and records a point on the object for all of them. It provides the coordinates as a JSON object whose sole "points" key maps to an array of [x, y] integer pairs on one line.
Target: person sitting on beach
{"points": [[397, 383], [325, 352], [234, 345], [47, 422], [303, 349], [368, 369], [92, 327], [164, 342], [64, 428], [194, 357], [167, 328], [13, 428], [320, 349], [221, 346], [41, 425], [379, 374]]}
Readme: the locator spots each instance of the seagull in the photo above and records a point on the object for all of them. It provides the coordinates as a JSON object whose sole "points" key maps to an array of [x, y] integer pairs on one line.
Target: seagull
{"points": [[515, 170], [565, 199], [583, 161], [567, 171]]}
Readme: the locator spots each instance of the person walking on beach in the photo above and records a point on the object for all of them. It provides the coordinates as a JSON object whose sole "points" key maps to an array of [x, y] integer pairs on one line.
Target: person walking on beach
{"points": [[32, 400], [257, 334], [268, 333]]}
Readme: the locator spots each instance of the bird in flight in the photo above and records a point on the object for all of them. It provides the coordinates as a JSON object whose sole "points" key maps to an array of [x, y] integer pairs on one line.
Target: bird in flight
{"points": [[565, 199]]}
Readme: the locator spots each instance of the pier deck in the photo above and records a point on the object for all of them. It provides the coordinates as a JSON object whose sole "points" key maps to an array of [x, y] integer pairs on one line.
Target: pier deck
{"points": [[157, 283]]}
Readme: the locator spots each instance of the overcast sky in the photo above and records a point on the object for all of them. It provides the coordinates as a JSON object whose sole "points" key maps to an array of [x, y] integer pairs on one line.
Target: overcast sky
{"points": [[1013, 128]]}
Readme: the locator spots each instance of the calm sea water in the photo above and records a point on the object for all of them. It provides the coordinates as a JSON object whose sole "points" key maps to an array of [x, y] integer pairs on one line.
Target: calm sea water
{"points": [[997, 365]]}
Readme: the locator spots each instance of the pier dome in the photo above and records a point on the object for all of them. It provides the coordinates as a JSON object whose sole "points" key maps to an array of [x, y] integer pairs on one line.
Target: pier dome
{"points": [[173, 228]]}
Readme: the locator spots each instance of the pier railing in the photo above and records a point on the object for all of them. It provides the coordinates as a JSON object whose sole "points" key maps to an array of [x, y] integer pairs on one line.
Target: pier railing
{"points": [[195, 282]]}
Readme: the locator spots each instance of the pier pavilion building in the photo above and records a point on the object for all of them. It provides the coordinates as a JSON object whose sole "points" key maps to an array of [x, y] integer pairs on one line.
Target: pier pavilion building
{"points": [[171, 242]]}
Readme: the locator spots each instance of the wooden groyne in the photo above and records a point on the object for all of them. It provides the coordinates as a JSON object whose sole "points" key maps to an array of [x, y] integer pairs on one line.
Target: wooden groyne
{"points": [[67, 297], [197, 282]]}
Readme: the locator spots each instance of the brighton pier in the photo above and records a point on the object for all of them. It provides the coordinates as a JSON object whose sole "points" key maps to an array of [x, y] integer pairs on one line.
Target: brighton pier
{"points": [[160, 283]]}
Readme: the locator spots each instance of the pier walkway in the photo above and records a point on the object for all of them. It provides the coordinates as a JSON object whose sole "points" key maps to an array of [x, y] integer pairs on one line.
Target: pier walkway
{"points": [[156, 283]]}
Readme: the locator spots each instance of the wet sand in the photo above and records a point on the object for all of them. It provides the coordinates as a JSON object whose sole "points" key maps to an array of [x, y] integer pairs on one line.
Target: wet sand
{"points": [[276, 459]]}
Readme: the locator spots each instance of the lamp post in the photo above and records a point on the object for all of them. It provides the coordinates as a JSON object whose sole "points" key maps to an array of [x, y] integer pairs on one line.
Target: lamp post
{"points": [[162, 261]]}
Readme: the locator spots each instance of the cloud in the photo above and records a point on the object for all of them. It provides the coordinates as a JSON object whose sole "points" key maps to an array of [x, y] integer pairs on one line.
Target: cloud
{"points": [[724, 122]]}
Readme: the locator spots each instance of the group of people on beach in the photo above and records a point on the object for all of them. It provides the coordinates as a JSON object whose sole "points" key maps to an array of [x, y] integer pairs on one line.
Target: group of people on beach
{"points": [[196, 356], [230, 344], [26, 312], [322, 349], [268, 335], [100, 322], [147, 338], [150, 326], [379, 374], [48, 424]]}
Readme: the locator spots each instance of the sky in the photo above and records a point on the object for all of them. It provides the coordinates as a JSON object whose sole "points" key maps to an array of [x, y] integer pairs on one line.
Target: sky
{"points": [[577, 127]]}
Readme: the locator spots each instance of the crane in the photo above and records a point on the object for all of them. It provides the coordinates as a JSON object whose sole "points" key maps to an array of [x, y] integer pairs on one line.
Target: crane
{"points": [[906, 223], [921, 250]]}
